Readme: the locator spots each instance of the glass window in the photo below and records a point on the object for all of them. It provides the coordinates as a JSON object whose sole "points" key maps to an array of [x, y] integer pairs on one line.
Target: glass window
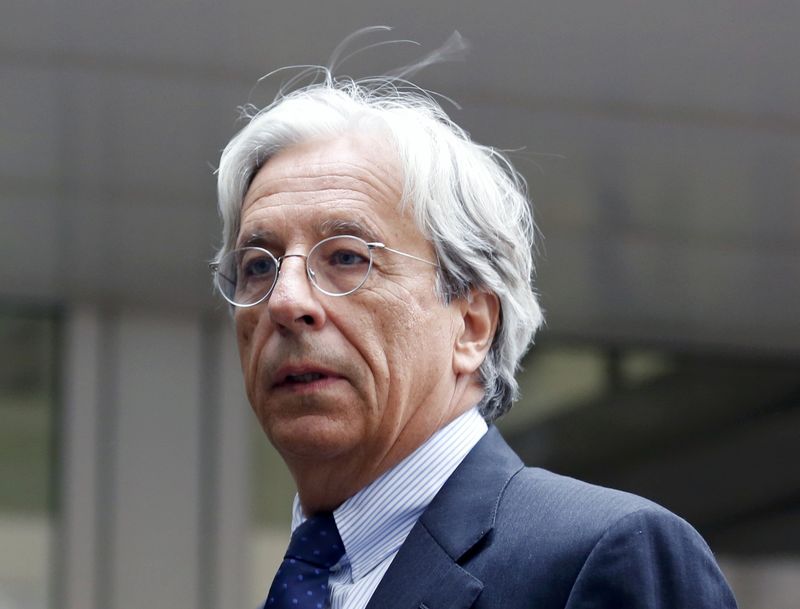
{"points": [[28, 346]]}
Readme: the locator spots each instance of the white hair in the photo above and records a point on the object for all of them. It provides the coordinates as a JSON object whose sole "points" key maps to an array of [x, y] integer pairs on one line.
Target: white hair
{"points": [[467, 199]]}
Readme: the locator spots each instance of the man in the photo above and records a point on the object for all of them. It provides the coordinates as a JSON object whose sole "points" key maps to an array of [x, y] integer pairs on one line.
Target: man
{"points": [[379, 267]]}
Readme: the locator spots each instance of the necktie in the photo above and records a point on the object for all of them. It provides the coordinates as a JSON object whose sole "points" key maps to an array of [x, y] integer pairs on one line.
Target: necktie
{"points": [[302, 579]]}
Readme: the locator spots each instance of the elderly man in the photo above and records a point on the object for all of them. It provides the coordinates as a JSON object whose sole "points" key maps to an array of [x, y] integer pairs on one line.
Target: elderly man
{"points": [[378, 264]]}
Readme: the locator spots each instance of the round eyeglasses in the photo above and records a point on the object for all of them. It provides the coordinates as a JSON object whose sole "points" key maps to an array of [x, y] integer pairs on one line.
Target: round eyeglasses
{"points": [[336, 266]]}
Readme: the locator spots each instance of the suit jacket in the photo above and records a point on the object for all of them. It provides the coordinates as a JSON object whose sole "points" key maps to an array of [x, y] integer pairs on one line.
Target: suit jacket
{"points": [[499, 535]]}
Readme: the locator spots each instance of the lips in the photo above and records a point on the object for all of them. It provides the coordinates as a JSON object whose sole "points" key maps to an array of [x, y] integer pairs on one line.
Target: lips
{"points": [[302, 375], [306, 377]]}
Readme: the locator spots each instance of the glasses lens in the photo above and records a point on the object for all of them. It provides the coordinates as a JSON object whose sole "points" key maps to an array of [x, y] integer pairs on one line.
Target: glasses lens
{"points": [[246, 276], [339, 265]]}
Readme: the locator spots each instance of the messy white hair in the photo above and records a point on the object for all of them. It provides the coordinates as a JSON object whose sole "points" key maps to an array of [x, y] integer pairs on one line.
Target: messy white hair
{"points": [[466, 199]]}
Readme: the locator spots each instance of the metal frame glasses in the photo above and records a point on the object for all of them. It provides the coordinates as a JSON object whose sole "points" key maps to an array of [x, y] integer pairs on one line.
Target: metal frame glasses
{"points": [[336, 266]]}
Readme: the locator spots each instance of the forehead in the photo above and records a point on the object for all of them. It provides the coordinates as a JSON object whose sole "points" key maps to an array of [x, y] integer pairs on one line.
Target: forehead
{"points": [[322, 184]]}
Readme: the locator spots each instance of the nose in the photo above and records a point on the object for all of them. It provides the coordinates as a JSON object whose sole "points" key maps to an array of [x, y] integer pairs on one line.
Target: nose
{"points": [[294, 304]]}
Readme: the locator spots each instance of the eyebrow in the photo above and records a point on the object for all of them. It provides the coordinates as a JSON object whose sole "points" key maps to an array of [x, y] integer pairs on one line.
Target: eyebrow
{"points": [[332, 227], [258, 238], [266, 238]]}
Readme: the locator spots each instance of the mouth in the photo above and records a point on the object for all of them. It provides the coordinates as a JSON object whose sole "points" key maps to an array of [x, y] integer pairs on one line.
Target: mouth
{"points": [[306, 377], [301, 378]]}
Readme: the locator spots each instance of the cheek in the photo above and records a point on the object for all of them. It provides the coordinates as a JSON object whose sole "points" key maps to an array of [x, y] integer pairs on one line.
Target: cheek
{"points": [[244, 332], [375, 328], [415, 339], [246, 324], [367, 340]]}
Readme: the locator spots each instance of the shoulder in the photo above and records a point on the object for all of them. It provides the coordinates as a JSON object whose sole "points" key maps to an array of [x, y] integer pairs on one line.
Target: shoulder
{"points": [[579, 541], [566, 517], [537, 539], [536, 498], [553, 500], [569, 517]]}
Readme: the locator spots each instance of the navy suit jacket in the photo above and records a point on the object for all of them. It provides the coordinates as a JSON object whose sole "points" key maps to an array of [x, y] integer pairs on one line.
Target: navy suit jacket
{"points": [[499, 535]]}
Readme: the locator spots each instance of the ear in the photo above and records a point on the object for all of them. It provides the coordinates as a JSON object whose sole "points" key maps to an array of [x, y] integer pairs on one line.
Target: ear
{"points": [[480, 313]]}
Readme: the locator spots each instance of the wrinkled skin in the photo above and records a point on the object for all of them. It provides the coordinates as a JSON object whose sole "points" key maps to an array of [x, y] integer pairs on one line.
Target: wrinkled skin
{"points": [[391, 363]]}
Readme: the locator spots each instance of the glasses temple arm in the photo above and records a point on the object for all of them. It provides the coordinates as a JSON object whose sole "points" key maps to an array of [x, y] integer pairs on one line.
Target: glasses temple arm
{"points": [[215, 269], [381, 246]]}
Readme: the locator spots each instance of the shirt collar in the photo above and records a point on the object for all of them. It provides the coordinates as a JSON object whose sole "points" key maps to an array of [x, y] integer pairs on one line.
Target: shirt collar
{"points": [[375, 521]]}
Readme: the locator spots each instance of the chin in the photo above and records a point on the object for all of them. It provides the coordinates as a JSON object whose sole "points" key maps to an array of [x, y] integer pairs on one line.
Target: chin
{"points": [[311, 437]]}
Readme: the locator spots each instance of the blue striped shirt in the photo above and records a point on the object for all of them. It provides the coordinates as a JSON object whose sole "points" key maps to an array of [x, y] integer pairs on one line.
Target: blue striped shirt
{"points": [[375, 522]]}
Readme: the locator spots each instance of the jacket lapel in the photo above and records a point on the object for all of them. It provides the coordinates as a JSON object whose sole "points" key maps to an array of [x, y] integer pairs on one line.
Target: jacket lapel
{"points": [[423, 576], [426, 573]]}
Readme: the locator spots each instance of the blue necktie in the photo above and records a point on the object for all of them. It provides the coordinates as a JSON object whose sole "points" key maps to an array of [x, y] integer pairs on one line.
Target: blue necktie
{"points": [[302, 579]]}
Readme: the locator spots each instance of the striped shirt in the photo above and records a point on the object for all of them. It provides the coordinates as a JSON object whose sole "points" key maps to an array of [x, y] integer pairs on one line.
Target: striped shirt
{"points": [[375, 522]]}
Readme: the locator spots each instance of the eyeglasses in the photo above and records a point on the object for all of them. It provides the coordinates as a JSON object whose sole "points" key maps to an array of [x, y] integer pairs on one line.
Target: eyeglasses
{"points": [[336, 266]]}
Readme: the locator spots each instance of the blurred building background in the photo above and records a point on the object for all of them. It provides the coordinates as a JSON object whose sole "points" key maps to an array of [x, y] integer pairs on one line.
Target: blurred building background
{"points": [[661, 142]]}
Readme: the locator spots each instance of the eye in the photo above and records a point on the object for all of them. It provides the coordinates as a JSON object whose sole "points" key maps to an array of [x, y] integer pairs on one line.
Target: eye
{"points": [[346, 257], [256, 265], [337, 262]]}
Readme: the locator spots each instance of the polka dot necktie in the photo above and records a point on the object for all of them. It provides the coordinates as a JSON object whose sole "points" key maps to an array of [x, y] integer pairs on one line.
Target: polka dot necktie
{"points": [[302, 579]]}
